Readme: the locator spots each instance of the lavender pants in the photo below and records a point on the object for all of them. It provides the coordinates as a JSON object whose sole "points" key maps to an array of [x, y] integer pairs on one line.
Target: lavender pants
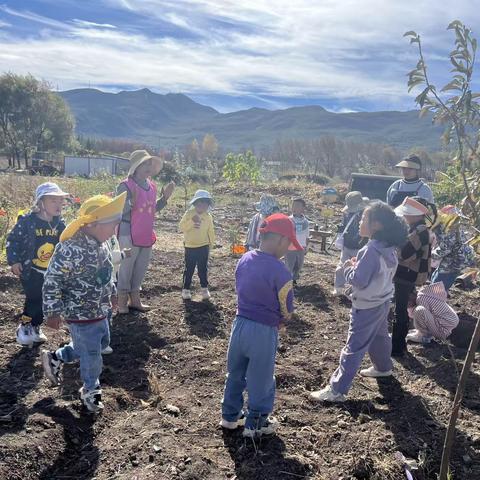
{"points": [[368, 332]]}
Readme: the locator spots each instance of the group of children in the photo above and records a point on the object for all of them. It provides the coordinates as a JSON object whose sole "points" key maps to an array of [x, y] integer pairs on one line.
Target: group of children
{"points": [[69, 276]]}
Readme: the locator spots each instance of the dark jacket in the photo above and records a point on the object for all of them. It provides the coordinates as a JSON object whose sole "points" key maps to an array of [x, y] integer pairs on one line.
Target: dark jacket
{"points": [[351, 236], [21, 242]]}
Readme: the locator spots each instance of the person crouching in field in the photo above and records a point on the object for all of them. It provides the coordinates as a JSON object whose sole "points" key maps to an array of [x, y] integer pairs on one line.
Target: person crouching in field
{"points": [[78, 289], [136, 230], [349, 240], [371, 276], [265, 300], [265, 207], [294, 258], [414, 265], [432, 316], [30, 246], [199, 237]]}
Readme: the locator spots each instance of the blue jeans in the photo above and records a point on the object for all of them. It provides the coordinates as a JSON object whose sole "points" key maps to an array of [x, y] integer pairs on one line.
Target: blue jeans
{"points": [[447, 278], [250, 364], [88, 341]]}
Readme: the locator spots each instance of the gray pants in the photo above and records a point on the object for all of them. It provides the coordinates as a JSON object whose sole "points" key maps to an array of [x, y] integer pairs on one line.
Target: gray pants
{"points": [[132, 270], [294, 261], [347, 254]]}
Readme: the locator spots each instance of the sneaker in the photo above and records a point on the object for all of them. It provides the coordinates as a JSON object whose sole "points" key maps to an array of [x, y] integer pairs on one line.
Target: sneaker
{"points": [[92, 399], [327, 394], [338, 292], [51, 366], [240, 422], [269, 427], [25, 334], [186, 294], [38, 335], [373, 373], [205, 294], [417, 336], [107, 350]]}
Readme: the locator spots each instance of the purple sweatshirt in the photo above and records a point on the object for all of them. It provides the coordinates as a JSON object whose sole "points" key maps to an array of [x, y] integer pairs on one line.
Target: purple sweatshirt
{"points": [[372, 276], [264, 288]]}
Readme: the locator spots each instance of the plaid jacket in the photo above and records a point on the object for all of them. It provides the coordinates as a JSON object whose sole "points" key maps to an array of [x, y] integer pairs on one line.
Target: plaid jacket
{"points": [[414, 259]]}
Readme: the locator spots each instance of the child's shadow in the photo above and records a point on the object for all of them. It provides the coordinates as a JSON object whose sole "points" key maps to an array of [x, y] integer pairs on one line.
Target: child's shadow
{"points": [[314, 295], [262, 459], [204, 319], [17, 379], [80, 457], [132, 340]]}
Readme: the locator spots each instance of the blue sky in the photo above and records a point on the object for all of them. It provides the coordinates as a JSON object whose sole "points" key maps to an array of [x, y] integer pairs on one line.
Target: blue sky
{"points": [[345, 55]]}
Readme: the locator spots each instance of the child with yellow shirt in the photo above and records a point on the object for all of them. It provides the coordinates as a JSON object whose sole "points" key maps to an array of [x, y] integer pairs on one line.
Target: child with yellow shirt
{"points": [[199, 236]]}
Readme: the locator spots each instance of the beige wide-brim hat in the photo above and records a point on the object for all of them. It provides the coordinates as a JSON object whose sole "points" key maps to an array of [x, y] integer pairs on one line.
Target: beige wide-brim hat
{"points": [[138, 157], [410, 207]]}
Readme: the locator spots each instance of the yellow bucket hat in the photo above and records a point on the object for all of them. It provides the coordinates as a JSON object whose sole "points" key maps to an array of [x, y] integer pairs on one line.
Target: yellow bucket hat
{"points": [[138, 157], [99, 208]]}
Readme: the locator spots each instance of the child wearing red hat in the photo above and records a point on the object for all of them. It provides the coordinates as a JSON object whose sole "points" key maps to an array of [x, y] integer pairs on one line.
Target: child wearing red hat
{"points": [[265, 299]]}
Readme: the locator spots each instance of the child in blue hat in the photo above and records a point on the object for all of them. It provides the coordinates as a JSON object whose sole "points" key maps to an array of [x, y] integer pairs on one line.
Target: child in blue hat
{"points": [[30, 245], [199, 236]]}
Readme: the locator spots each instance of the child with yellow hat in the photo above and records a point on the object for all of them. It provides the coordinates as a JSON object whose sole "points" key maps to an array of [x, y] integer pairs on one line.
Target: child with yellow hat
{"points": [[77, 290]]}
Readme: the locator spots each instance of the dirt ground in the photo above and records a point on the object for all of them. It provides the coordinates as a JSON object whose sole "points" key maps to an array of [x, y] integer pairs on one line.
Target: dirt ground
{"points": [[175, 355]]}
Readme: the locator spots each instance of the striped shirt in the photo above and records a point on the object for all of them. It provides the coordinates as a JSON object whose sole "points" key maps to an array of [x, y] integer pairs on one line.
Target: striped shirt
{"points": [[434, 317]]}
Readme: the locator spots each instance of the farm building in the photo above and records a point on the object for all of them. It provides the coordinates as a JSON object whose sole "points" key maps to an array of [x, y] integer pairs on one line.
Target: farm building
{"points": [[96, 165]]}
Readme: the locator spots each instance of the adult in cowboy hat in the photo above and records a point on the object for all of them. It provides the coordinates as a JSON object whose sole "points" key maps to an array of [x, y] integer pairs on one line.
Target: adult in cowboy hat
{"points": [[136, 231], [411, 185]]}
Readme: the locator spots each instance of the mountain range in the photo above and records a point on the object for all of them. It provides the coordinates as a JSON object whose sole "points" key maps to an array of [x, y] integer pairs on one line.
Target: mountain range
{"points": [[175, 119]]}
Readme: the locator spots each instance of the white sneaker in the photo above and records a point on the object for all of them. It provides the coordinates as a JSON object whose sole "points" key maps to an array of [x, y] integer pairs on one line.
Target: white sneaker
{"points": [[92, 399], [205, 294], [240, 422], [327, 394], [417, 336], [338, 292], [37, 335], [268, 428], [25, 334], [107, 350], [186, 294], [51, 366], [373, 373]]}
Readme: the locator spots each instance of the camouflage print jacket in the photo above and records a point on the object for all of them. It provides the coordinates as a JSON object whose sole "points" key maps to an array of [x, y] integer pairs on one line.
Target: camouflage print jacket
{"points": [[453, 252], [79, 282]]}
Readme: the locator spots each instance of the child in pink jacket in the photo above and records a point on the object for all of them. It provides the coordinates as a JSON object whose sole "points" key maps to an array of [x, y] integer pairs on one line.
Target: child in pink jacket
{"points": [[432, 316]]}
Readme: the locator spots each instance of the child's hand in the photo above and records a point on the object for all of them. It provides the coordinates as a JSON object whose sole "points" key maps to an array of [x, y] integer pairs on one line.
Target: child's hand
{"points": [[127, 252], [17, 269], [54, 322]]}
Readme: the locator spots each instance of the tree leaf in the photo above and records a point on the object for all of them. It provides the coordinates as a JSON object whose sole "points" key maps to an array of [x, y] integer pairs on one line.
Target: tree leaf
{"points": [[454, 24], [410, 33]]}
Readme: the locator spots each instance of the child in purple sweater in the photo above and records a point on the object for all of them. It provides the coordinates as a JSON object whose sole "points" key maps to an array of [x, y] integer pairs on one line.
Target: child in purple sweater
{"points": [[265, 299], [371, 276]]}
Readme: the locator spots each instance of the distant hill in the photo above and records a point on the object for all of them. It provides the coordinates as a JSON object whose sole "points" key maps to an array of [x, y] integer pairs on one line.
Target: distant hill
{"points": [[175, 119]]}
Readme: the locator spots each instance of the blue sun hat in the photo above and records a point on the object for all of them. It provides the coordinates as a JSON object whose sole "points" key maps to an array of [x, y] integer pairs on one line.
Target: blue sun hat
{"points": [[201, 195], [266, 205]]}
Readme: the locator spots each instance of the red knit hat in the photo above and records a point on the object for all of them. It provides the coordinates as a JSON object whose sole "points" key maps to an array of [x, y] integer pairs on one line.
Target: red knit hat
{"points": [[281, 224]]}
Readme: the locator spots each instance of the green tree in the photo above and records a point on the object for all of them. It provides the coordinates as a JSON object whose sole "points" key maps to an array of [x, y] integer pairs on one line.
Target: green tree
{"points": [[32, 117], [242, 167]]}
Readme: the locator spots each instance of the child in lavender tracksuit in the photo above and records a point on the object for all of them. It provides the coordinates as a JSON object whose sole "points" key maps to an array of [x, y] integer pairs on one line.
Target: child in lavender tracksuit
{"points": [[265, 299], [371, 276]]}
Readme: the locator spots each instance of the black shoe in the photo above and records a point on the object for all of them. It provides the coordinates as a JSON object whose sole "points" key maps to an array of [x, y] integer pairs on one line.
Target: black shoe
{"points": [[399, 352]]}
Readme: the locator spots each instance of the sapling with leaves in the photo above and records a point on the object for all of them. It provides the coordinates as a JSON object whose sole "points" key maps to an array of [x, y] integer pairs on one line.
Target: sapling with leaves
{"points": [[457, 107]]}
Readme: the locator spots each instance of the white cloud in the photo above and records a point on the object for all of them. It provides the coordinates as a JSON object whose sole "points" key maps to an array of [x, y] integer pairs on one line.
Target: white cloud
{"points": [[340, 49], [87, 24], [4, 24]]}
